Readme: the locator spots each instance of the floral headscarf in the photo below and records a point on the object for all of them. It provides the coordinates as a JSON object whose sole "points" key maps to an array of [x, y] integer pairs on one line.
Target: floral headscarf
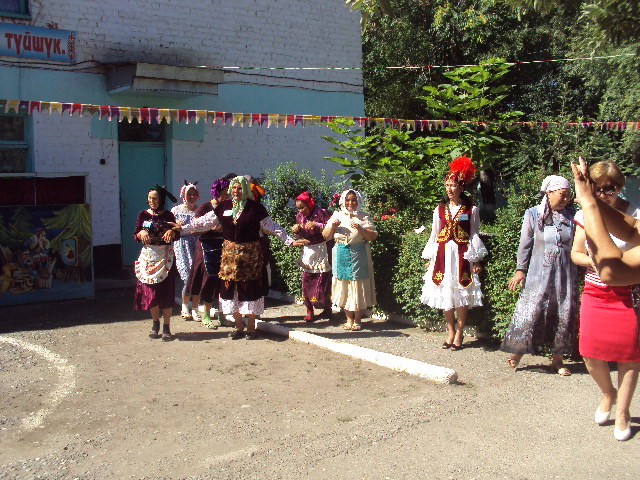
{"points": [[343, 197], [238, 205], [185, 189]]}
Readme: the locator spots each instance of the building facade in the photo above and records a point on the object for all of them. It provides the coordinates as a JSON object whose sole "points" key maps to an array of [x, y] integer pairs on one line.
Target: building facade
{"points": [[169, 54]]}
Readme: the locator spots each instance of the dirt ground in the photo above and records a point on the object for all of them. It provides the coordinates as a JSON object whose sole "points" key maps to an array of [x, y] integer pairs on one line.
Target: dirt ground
{"points": [[87, 395]]}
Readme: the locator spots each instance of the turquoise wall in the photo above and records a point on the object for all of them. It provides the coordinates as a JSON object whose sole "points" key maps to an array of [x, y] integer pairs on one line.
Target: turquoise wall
{"points": [[57, 86]]}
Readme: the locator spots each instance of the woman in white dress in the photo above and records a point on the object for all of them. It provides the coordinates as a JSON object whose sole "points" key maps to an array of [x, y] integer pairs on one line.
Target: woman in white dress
{"points": [[453, 254], [184, 248], [352, 285]]}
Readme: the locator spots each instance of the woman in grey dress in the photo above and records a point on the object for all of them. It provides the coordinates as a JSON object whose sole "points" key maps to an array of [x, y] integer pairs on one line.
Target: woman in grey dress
{"points": [[546, 313]]}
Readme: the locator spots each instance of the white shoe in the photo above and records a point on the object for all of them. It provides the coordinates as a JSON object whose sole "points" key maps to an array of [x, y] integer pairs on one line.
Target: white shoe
{"points": [[601, 417], [622, 435], [184, 312], [195, 315]]}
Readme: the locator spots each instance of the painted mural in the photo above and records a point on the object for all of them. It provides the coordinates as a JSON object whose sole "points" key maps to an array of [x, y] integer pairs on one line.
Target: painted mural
{"points": [[45, 253]]}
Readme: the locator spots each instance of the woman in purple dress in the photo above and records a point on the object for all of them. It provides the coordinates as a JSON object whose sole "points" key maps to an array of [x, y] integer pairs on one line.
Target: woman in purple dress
{"points": [[315, 258], [155, 267]]}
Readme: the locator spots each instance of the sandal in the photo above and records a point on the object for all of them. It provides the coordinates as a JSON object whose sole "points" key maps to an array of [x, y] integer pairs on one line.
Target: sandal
{"points": [[446, 346], [207, 322], [511, 363], [455, 348], [195, 315], [309, 317], [562, 370], [356, 327], [347, 326], [166, 333], [185, 313]]}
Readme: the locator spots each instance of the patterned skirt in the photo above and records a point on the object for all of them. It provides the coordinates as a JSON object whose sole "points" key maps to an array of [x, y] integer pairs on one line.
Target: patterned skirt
{"points": [[241, 271]]}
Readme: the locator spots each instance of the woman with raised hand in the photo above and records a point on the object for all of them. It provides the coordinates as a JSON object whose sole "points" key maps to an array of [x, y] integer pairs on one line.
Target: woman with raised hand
{"points": [[315, 258], [241, 264], [608, 322], [185, 246], [453, 254], [155, 268], [547, 310], [353, 286]]}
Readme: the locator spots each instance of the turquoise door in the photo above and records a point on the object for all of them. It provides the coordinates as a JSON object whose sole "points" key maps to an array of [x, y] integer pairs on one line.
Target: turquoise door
{"points": [[142, 165]]}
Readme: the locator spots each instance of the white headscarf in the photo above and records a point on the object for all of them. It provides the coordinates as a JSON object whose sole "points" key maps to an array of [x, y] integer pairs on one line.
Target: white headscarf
{"points": [[549, 184], [343, 197]]}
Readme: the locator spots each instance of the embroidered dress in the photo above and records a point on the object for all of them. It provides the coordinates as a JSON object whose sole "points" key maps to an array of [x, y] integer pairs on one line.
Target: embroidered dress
{"points": [[155, 268], [352, 286], [184, 247], [608, 325], [546, 313], [453, 245], [315, 260], [241, 265]]}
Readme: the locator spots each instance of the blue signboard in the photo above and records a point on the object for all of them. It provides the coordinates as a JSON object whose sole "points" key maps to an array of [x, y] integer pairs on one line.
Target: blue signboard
{"points": [[26, 41]]}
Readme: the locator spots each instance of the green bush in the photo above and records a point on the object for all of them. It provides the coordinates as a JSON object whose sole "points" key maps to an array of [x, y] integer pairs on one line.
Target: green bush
{"points": [[407, 281]]}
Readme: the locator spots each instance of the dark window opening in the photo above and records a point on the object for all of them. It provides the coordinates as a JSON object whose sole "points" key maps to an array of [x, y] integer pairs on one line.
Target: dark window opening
{"points": [[14, 8], [141, 131], [14, 148]]}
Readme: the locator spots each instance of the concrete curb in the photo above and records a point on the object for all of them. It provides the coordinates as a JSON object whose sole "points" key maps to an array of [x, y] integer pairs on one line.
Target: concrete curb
{"points": [[394, 362]]}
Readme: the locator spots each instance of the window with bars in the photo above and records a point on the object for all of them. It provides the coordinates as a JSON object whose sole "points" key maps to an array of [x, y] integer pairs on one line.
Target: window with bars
{"points": [[14, 8], [14, 145]]}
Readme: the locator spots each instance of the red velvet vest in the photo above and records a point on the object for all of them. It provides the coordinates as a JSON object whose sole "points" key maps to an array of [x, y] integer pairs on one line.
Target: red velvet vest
{"points": [[459, 231]]}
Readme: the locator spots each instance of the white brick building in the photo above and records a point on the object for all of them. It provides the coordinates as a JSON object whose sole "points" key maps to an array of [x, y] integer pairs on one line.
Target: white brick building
{"points": [[113, 38]]}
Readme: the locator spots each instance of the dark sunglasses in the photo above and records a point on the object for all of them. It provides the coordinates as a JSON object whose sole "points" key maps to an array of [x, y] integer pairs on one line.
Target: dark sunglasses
{"points": [[607, 190]]}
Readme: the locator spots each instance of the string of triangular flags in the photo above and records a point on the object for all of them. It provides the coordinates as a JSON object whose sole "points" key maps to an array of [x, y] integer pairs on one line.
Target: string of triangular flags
{"points": [[169, 115]]}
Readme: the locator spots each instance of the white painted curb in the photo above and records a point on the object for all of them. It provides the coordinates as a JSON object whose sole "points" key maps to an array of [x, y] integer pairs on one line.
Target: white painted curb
{"points": [[394, 362]]}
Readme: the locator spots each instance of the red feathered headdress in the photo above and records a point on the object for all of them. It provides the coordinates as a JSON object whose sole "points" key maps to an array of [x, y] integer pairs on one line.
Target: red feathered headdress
{"points": [[461, 170]]}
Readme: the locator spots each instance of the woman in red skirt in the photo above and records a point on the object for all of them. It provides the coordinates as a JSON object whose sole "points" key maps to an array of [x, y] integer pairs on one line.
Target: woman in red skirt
{"points": [[608, 323]]}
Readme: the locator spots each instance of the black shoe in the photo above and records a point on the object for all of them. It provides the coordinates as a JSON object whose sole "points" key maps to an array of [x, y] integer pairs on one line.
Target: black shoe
{"points": [[236, 334], [251, 335], [155, 330], [455, 348]]}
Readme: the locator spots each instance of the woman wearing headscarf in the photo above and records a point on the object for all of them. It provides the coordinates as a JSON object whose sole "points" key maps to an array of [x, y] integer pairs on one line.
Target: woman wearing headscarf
{"points": [[241, 286], [315, 258], [203, 282], [352, 286], [155, 268], [184, 247], [546, 312], [453, 254], [608, 328]]}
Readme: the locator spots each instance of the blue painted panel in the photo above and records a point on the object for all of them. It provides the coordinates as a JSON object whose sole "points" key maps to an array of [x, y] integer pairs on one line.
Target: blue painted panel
{"points": [[27, 41], [103, 128]]}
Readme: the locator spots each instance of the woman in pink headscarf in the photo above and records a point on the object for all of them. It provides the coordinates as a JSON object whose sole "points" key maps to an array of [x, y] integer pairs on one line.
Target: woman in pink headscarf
{"points": [[315, 259]]}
